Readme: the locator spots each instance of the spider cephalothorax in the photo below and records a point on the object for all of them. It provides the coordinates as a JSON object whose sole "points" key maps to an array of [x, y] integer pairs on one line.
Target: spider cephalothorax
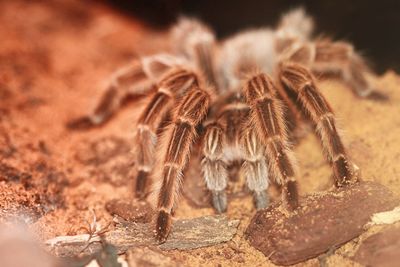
{"points": [[248, 93]]}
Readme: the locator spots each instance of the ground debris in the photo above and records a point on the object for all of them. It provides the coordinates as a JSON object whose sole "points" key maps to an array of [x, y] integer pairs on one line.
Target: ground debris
{"points": [[11, 174], [31, 192], [185, 235], [324, 221]]}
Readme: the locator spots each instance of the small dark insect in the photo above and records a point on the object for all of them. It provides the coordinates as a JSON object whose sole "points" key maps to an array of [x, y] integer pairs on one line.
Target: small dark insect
{"points": [[247, 94]]}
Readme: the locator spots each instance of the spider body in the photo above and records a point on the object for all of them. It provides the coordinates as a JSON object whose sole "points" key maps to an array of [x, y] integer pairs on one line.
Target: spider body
{"points": [[248, 93]]}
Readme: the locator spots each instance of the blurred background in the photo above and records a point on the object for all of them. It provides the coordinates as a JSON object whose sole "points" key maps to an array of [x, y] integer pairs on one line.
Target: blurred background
{"points": [[372, 26]]}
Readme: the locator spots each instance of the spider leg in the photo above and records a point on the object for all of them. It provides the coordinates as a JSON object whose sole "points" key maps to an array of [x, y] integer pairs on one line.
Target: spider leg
{"points": [[171, 84], [338, 58], [268, 121], [131, 76], [350, 65], [205, 60], [214, 166], [301, 81], [177, 140], [196, 41], [254, 167], [135, 80]]}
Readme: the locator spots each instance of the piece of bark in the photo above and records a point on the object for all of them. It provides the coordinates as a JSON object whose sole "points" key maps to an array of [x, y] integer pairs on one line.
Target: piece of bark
{"points": [[381, 249], [186, 234], [133, 211], [323, 221]]}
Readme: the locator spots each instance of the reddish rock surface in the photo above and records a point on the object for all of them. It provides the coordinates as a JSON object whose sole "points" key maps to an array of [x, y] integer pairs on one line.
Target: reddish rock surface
{"points": [[323, 221], [381, 249]]}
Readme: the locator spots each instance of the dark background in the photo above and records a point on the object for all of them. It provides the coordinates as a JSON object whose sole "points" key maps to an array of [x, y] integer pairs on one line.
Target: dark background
{"points": [[372, 26]]}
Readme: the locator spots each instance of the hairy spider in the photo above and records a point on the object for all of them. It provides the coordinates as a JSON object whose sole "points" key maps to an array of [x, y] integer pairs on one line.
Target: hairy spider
{"points": [[243, 97]]}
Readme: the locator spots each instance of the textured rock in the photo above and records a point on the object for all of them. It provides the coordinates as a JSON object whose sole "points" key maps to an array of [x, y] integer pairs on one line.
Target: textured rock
{"points": [[381, 249], [323, 221]]}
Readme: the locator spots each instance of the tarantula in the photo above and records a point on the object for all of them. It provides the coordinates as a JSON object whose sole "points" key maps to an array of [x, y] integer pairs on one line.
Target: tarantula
{"points": [[243, 98]]}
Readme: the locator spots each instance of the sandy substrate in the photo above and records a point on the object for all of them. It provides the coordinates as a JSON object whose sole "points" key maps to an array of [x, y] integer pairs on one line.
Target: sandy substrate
{"points": [[55, 60]]}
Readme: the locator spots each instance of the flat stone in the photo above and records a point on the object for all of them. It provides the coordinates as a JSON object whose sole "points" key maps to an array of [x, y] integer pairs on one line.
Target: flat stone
{"points": [[323, 221], [381, 249]]}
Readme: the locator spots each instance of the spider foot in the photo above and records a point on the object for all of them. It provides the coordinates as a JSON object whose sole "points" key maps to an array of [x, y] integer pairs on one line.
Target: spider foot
{"points": [[163, 225], [343, 172], [219, 200], [346, 173]]}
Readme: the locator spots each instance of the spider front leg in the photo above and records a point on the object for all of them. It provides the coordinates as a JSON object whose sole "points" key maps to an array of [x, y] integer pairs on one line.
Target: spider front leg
{"points": [[171, 84], [176, 143], [268, 120], [301, 81]]}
